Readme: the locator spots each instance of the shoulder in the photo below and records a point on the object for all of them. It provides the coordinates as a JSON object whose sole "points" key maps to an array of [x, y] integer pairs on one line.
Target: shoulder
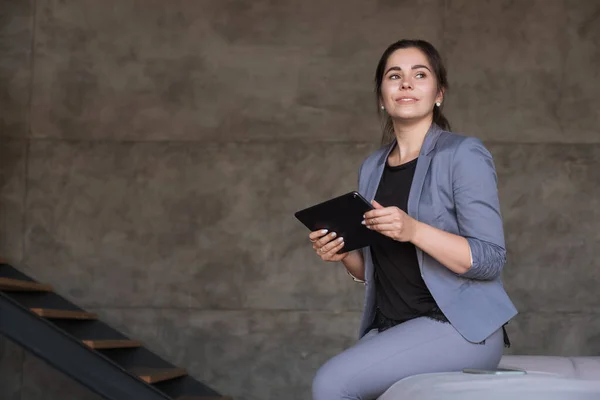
{"points": [[459, 147], [374, 158], [453, 142]]}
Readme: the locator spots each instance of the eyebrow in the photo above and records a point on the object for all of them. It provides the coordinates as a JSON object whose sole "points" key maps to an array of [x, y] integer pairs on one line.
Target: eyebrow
{"points": [[413, 67]]}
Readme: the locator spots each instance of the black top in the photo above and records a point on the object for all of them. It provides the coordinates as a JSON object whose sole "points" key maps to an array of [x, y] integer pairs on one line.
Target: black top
{"points": [[401, 291]]}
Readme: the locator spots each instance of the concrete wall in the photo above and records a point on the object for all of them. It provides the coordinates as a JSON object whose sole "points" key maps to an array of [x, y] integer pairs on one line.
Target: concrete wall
{"points": [[152, 155]]}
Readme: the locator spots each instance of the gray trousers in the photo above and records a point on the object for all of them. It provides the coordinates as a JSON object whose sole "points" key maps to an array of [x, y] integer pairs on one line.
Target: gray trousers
{"points": [[378, 360]]}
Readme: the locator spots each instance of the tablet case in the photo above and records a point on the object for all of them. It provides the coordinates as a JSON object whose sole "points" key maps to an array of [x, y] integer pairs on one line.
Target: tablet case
{"points": [[342, 215]]}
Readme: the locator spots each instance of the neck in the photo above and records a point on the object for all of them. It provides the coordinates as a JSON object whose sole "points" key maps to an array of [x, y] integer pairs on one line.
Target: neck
{"points": [[409, 136]]}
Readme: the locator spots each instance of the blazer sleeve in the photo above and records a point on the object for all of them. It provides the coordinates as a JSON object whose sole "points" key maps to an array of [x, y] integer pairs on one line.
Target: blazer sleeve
{"points": [[474, 184]]}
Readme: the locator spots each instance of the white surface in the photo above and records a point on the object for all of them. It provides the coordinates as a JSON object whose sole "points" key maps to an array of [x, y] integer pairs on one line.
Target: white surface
{"points": [[461, 386], [570, 367]]}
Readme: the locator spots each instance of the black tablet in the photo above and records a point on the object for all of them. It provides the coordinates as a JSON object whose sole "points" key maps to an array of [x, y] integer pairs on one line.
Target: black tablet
{"points": [[342, 215]]}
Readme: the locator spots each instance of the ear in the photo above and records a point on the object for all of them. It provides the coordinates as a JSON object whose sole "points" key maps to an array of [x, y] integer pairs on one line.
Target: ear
{"points": [[440, 96]]}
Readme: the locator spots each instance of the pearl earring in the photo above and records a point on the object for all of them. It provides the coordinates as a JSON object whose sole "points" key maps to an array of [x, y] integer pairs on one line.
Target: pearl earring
{"points": [[382, 107], [438, 103]]}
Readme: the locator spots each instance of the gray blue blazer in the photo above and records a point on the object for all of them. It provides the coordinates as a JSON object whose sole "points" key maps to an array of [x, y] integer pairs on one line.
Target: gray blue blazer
{"points": [[454, 189]]}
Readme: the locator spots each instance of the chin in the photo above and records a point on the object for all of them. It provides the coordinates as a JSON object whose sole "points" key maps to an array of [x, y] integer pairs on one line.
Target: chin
{"points": [[408, 115]]}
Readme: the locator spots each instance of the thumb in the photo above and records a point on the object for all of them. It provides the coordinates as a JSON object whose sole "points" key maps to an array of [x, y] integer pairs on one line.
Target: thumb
{"points": [[376, 204]]}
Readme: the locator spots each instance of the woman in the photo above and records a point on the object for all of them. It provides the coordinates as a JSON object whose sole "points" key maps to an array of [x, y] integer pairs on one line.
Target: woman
{"points": [[434, 299]]}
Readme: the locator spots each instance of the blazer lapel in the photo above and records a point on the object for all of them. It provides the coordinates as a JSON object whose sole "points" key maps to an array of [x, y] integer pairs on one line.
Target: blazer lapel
{"points": [[414, 197], [422, 167], [377, 173], [423, 163]]}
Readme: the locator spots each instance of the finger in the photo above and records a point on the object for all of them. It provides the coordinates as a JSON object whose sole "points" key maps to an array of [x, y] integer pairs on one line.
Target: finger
{"points": [[315, 235], [325, 239], [386, 219], [376, 204], [379, 212], [385, 227], [321, 245], [333, 248], [332, 255], [327, 248]]}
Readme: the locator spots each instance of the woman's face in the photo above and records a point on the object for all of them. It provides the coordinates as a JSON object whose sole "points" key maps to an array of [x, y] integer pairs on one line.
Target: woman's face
{"points": [[409, 87]]}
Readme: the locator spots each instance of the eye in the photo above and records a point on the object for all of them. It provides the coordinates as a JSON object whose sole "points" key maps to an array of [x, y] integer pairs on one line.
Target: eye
{"points": [[420, 75], [394, 76]]}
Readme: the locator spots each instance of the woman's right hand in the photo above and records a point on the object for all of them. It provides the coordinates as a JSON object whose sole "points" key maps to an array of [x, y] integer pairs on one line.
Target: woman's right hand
{"points": [[327, 245]]}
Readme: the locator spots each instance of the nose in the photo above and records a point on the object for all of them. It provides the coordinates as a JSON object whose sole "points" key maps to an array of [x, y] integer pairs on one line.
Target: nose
{"points": [[406, 83]]}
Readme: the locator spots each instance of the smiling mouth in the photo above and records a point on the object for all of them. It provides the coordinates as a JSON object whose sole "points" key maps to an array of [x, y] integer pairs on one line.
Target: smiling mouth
{"points": [[406, 100]]}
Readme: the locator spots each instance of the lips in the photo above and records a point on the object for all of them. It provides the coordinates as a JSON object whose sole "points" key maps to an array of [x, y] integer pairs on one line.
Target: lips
{"points": [[406, 100]]}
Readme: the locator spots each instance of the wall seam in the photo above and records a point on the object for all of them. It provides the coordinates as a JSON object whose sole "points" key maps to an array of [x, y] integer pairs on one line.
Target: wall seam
{"points": [[275, 141]]}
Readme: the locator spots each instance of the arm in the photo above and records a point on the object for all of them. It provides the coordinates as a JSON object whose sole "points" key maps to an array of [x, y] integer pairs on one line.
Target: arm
{"points": [[477, 251], [477, 205], [450, 250], [355, 265], [354, 262]]}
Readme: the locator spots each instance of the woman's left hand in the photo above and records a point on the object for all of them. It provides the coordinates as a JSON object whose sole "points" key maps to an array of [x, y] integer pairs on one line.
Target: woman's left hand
{"points": [[391, 222]]}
